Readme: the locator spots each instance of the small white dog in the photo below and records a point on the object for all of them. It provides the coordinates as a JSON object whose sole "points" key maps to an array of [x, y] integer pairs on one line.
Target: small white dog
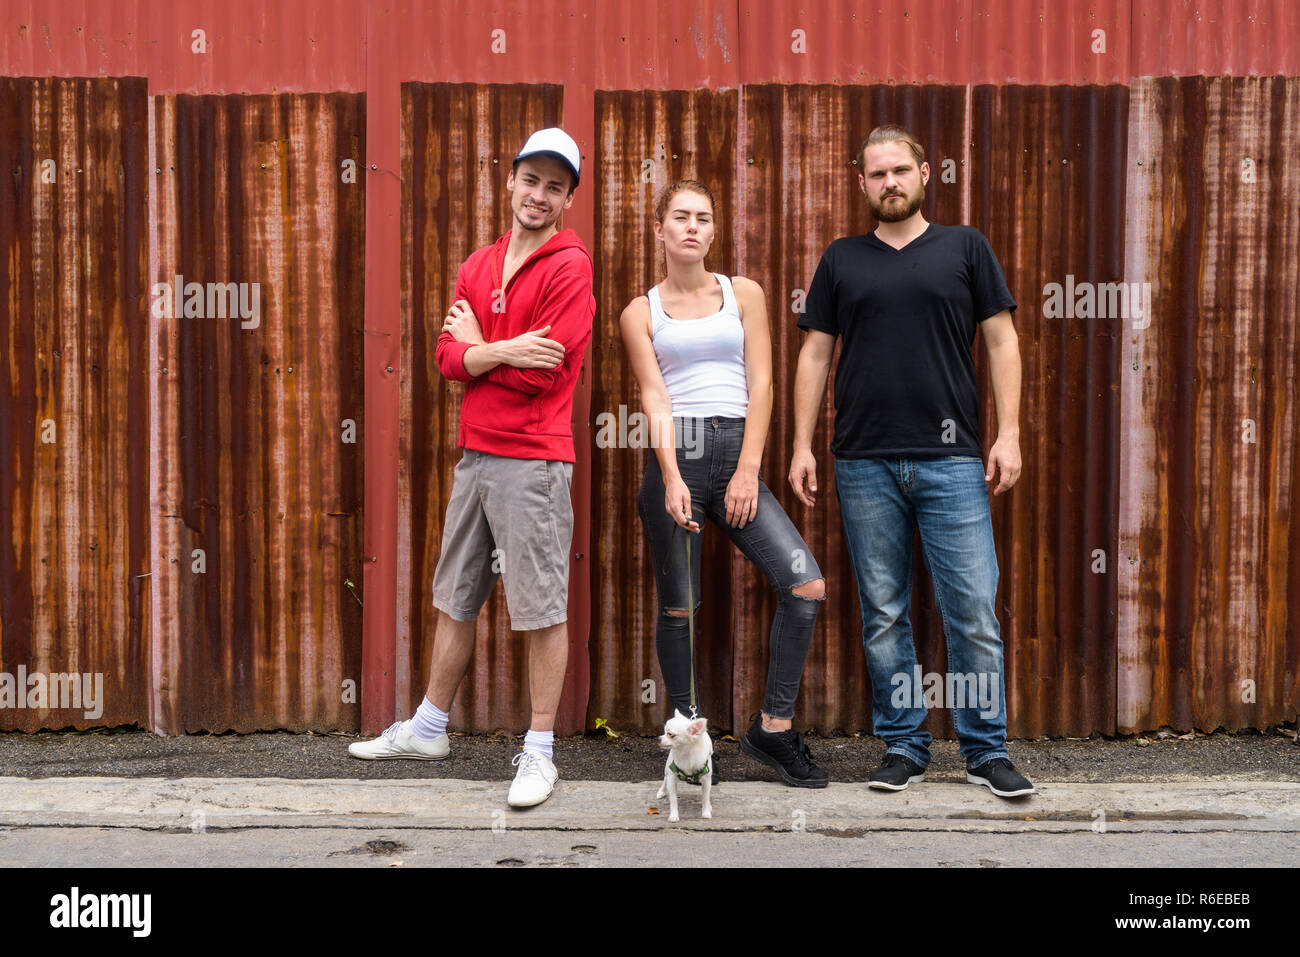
{"points": [[690, 758]]}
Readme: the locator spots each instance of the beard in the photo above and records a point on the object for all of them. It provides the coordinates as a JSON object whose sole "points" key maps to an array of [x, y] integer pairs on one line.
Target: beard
{"points": [[886, 213]]}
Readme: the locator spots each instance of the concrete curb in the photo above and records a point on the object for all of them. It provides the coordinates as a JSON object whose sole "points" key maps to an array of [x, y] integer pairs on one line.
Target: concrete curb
{"points": [[199, 804]]}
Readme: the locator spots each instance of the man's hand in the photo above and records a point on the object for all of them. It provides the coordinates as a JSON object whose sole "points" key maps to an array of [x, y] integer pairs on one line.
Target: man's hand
{"points": [[463, 324], [803, 469], [1004, 463], [532, 350]]}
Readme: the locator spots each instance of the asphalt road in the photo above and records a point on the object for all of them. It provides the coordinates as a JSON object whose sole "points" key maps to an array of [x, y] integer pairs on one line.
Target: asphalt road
{"points": [[398, 848]]}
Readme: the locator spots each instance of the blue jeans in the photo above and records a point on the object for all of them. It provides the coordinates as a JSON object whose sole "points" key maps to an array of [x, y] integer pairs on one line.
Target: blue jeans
{"points": [[882, 502]]}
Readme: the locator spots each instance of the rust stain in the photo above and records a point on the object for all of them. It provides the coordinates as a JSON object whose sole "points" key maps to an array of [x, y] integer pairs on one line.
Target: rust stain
{"points": [[1206, 637], [260, 469], [74, 416]]}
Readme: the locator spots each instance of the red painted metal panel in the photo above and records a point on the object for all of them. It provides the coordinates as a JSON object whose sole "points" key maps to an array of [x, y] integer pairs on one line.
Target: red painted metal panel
{"points": [[935, 41], [381, 673], [1216, 37], [74, 411], [245, 46], [1077, 42]]}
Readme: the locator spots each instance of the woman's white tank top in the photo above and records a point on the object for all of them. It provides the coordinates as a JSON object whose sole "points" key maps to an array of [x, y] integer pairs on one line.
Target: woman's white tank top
{"points": [[702, 360]]}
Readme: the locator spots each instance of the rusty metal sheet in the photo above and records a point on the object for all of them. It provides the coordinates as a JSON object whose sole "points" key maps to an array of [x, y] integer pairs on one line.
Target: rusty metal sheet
{"points": [[1209, 526], [74, 402], [458, 143], [665, 136], [257, 432], [1047, 168]]}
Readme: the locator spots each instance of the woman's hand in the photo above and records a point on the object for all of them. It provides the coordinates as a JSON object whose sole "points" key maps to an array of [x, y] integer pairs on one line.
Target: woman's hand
{"points": [[741, 499], [677, 501]]}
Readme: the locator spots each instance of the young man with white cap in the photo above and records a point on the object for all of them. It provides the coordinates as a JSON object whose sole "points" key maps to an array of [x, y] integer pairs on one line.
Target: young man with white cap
{"points": [[515, 334]]}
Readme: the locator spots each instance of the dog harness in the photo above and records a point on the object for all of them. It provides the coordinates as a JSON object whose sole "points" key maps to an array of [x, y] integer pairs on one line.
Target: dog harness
{"points": [[693, 778]]}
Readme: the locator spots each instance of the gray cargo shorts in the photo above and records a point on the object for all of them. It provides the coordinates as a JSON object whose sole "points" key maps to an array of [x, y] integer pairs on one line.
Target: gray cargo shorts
{"points": [[510, 518]]}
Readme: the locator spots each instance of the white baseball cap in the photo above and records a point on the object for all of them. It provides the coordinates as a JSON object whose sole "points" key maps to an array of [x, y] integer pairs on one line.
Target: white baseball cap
{"points": [[555, 142]]}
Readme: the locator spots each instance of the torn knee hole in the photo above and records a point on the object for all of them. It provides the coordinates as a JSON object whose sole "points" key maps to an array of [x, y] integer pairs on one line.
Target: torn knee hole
{"points": [[678, 612], [814, 590]]}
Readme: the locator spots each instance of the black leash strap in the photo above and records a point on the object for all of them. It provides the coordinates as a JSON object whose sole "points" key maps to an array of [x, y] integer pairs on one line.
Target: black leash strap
{"points": [[690, 613]]}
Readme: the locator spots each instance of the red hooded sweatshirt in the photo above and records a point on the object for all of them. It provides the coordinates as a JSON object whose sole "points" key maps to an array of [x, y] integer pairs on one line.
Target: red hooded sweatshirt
{"points": [[523, 413]]}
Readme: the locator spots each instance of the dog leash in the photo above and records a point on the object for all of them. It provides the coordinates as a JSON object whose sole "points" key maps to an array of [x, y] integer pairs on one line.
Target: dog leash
{"points": [[690, 613], [690, 621]]}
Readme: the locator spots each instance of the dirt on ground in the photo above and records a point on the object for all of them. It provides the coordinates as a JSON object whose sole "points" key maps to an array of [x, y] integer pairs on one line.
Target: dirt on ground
{"points": [[1157, 756]]}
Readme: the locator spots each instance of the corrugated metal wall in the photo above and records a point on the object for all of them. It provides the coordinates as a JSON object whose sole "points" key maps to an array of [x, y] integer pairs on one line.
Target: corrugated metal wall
{"points": [[258, 465], [74, 394], [1145, 554], [1210, 532], [1046, 168]]}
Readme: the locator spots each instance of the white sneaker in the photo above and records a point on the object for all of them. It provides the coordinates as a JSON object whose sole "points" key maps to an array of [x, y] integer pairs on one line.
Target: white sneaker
{"points": [[399, 742], [534, 781]]}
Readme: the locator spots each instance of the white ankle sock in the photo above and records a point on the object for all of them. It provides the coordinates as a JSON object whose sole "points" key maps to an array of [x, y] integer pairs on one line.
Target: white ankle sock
{"points": [[429, 722], [541, 742]]}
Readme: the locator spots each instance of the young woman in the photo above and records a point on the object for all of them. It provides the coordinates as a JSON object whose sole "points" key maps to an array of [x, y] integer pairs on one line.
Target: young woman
{"points": [[701, 351]]}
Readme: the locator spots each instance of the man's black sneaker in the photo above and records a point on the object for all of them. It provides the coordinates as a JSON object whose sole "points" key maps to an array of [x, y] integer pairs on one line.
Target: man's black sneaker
{"points": [[786, 752], [1001, 778], [895, 773]]}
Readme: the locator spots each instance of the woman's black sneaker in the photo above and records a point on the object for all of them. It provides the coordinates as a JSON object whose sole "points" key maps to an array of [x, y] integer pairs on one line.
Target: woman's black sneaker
{"points": [[1000, 777], [786, 752], [895, 773]]}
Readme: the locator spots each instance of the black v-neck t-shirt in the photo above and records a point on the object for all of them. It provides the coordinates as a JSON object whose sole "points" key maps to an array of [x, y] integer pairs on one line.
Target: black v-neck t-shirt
{"points": [[905, 383]]}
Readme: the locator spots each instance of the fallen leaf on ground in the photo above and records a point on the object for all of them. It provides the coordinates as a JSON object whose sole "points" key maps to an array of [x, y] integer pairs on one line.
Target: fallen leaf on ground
{"points": [[653, 810]]}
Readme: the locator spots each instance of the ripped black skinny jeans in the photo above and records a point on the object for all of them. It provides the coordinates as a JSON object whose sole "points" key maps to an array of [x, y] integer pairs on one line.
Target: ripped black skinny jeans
{"points": [[708, 453]]}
